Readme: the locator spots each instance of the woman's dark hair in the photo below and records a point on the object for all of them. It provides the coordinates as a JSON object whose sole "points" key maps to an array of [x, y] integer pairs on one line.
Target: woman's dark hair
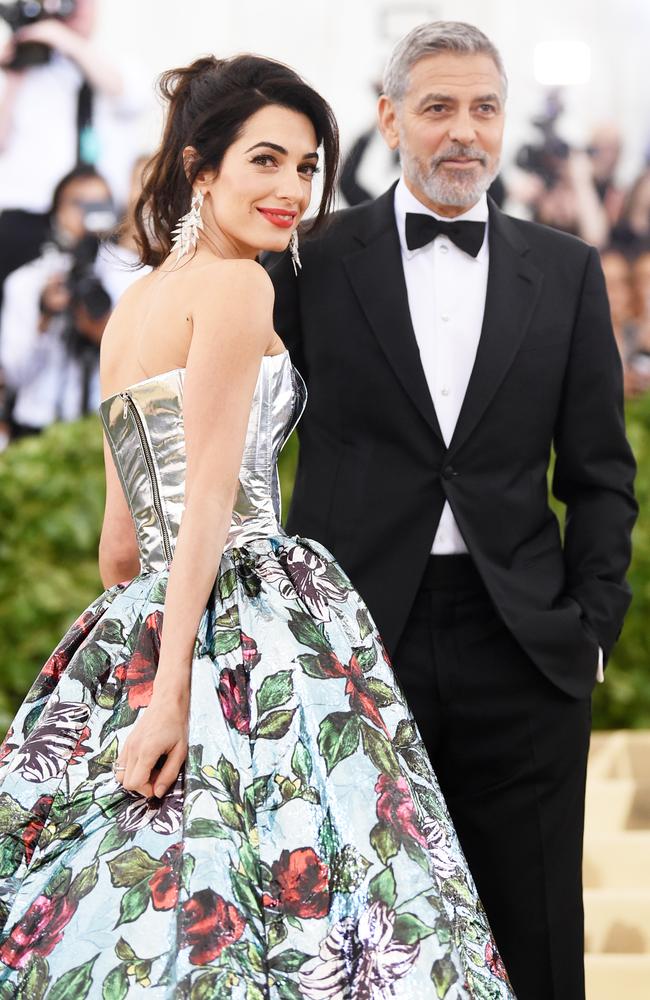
{"points": [[210, 101], [84, 172]]}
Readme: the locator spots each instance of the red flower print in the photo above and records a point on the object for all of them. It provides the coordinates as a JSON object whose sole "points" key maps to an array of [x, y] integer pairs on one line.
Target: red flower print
{"points": [[208, 925], [395, 808], [299, 884], [164, 883], [38, 932], [7, 746], [361, 700], [250, 653], [81, 748], [32, 831], [494, 961], [233, 695], [139, 672]]}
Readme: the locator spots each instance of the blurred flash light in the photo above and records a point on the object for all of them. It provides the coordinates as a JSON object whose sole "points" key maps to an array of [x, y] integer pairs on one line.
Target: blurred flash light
{"points": [[562, 63]]}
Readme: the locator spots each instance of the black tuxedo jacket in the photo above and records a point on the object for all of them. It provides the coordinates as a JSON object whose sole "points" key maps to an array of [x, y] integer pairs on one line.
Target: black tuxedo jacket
{"points": [[374, 472]]}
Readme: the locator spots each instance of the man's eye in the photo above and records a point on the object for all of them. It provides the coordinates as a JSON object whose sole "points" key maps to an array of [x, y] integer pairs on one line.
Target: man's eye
{"points": [[437, 108], [487, 108]]}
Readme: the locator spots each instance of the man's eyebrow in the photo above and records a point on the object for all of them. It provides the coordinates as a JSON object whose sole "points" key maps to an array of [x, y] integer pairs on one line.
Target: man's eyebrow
{"points": [[440, 98], [280, 149]]}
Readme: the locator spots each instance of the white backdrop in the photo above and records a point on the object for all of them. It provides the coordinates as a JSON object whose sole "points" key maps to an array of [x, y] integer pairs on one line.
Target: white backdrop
{"points": [[341, 45]]}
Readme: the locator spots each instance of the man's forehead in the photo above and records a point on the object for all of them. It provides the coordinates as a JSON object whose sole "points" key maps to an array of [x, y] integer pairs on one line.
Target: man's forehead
{"points": [[455, 73]]}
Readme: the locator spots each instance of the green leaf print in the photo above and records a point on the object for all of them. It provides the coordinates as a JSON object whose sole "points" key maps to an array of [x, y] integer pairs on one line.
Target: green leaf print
{"points": [[338, 737], [36, 981], [228, 775], [288, 961], [226, 584], [229, 618], [59, 884], [75, 983], [384, 841], [409, 929], [124, 951], [457, 891], [257, 792], [158, 591], [319, 665], [31, 719], [274, 691], [305, 630], [85, 881], [348, 869], [444, 975], [253, 992], [275, 725], [381, 692], [231, 815], [110, 630], [382, 888], [104, 760], [405, 734], [116, 984], [287, 989], [276, 934], [11, 855], [225, 640], [367, 658], [122, 718], [134, 902], [301, 762], [206, 987], [328, 838], [241, 887], [417, 762], [112, 841], [206, 828], [108, 697], [377, 747], [131, 867], [364, 624]]}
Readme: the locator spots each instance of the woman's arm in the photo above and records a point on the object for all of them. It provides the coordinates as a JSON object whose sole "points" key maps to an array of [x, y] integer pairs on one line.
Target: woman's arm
{"points": [[232, 329], [119, 559]]}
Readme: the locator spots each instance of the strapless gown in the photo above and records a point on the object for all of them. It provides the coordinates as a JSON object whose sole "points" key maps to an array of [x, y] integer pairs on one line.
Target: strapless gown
{"points": [[305, 850]]}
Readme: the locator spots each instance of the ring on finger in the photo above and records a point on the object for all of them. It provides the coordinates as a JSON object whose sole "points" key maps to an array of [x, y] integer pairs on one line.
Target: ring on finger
{"points": [[117, 767]]}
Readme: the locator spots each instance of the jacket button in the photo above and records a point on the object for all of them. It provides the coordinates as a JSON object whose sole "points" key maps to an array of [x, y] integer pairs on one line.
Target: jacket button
{"points": [[449, 472]]}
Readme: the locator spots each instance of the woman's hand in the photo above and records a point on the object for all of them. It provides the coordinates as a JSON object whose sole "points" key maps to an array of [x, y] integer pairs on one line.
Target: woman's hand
{"points": [[161, 731]]}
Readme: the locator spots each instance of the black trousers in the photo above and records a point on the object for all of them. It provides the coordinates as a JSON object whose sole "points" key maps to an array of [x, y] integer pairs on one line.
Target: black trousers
{"points": [[510, 753]]}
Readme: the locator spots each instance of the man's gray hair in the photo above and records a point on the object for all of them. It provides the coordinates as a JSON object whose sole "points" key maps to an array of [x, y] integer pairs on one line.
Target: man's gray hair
{"points": [[430, 39]]}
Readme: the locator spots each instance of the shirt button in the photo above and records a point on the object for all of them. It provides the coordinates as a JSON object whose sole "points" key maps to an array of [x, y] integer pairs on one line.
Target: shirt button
{"points": [[444, 248], [444, 390]]}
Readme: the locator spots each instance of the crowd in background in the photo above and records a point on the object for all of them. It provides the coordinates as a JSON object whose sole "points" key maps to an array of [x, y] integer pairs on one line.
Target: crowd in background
{"points": [[70, 171]]}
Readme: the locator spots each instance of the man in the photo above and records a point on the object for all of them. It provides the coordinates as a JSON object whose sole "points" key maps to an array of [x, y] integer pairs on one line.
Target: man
{"points": [[447, 348]]}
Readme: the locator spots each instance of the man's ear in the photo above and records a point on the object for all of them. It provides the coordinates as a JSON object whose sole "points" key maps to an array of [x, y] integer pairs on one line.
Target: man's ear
{"points": [[387, 120]]}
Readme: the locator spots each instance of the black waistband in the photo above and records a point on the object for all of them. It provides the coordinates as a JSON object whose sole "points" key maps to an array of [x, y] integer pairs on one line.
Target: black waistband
{"points": [[455, 571]]}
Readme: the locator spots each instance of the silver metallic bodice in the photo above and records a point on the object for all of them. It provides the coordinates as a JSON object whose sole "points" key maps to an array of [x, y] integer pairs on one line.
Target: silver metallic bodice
{"points": [[144, 427]]}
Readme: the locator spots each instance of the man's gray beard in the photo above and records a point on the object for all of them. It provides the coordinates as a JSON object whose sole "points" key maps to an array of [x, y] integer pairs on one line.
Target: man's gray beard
{"points": [[458, 192]]}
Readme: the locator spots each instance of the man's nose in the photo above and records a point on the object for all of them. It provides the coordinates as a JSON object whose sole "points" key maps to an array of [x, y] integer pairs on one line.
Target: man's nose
{"points": [[462, 129]]}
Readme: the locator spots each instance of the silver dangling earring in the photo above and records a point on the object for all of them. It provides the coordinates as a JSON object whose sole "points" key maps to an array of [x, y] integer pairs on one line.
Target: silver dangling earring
{"points": [[186, 235], [293, 250]]}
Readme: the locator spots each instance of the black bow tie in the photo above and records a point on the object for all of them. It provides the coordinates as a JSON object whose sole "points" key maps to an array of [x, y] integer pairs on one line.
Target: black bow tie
{"points": [[422, 229]]}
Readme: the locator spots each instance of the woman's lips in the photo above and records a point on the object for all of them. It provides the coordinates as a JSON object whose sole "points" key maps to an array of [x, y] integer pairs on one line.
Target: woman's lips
{"points": [[279, 217]]}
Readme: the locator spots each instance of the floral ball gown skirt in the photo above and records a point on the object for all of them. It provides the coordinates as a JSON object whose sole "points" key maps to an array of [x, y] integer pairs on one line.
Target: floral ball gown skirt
{"points": [[305, 850]]}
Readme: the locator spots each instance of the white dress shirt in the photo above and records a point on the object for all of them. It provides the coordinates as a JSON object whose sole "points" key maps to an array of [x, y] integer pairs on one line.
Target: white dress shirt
{"points": [[446, 293]]}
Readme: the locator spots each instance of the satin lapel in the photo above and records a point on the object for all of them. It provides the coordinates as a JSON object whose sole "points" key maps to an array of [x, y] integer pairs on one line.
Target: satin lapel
{"points": [[377, 277], [514, 284]]}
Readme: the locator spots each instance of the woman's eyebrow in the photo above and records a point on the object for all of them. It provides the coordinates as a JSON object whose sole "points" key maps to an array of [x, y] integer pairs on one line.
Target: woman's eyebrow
{"points": [[280, 149]]}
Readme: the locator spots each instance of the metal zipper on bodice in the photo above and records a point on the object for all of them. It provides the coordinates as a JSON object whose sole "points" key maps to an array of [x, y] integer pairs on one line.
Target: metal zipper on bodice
{"points": [[130, 405]]}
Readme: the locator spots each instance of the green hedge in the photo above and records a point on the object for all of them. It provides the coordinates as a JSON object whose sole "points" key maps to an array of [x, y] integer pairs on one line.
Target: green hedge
{"points": [[51, 502]]}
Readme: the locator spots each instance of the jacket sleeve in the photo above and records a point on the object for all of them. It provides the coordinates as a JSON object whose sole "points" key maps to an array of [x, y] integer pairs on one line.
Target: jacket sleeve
{"points": [[594, 469], [286, 314]]}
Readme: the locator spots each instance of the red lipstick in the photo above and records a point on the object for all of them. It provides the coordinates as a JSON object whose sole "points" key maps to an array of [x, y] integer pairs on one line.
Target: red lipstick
{"points": [[281, 217]]}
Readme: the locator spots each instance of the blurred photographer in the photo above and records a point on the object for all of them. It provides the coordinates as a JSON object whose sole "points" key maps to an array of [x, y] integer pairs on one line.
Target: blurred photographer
{"points": [[56, 308], [559, 185], [62, 103]]}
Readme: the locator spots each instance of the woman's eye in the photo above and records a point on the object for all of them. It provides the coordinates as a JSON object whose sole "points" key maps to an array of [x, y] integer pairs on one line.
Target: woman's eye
{"points": [[264, 159], [309, 169]]}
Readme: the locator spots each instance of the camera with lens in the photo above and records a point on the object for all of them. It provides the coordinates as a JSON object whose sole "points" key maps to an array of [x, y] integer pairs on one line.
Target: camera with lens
{"points": [[87, 294], [546, 158], [24, 12]]}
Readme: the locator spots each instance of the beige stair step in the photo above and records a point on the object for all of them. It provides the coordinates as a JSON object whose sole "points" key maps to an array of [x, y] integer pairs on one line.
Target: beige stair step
{"points": [[617, 804], [617, 860], [621, 755], [617, 921], [618, 977]]}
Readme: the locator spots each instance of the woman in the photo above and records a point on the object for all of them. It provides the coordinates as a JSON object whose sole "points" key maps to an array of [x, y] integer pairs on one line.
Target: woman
{"points": [[234, 803]]}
